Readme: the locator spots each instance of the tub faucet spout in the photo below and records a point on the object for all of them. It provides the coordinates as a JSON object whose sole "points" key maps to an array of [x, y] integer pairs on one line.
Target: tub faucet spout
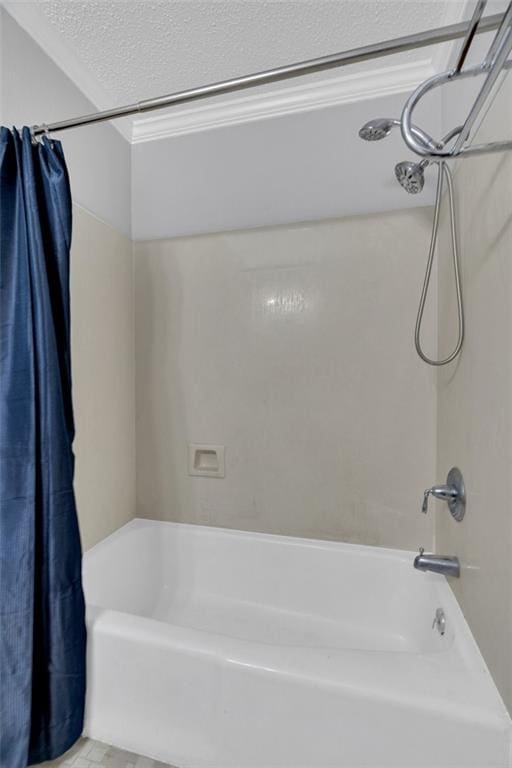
{"points": [[448, 565]]}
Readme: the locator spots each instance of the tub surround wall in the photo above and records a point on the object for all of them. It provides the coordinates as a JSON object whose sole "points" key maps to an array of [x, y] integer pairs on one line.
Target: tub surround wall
{"points": [[291, 346], [103, 363], [475, 398]]}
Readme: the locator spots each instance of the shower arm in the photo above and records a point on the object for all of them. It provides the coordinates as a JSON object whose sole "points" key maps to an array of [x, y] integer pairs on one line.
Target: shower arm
{"points": [[344, 58], [422, 136]]}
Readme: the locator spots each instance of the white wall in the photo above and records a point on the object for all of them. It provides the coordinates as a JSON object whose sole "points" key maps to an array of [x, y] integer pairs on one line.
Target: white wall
{"points": [[475, 397], [293, 347], [35, 90], [299, 167]]}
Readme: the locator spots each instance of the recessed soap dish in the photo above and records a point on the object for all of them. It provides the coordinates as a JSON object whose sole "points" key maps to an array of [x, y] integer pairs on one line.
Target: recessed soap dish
{"points": [[206, 460]]}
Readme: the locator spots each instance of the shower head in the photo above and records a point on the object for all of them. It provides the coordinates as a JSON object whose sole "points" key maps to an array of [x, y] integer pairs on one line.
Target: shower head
{"points": [[377, 129], [411, 175], [380, 127]]}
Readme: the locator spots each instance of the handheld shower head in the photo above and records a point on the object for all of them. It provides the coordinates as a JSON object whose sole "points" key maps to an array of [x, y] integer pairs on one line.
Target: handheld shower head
{"points": [[377, 129], [380, 127], [411, 175]]}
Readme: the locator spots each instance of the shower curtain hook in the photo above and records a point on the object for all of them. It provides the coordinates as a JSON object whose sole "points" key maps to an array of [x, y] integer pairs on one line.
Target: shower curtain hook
{"points": [[37, 138], [33, 137], [47, 134]]}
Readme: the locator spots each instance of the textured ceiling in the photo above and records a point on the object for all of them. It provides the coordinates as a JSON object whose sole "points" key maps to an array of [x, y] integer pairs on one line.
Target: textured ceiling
{"points": [[137, 50]]}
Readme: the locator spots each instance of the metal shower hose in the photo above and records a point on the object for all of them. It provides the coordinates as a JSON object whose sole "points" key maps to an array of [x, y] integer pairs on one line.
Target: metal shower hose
{"points": [[443, 173]]}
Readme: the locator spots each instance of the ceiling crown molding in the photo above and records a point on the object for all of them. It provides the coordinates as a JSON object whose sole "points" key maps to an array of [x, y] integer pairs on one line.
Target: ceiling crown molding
{"points": [[285, 101], [292, 98]]}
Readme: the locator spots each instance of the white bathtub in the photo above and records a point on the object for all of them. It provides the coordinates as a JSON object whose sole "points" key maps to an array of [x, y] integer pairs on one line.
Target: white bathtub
{"points": [[217, 648]]}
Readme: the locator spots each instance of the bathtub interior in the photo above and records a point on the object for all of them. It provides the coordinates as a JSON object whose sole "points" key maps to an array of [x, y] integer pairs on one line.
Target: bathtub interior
{"points": [[268, 589], [197, 634]]}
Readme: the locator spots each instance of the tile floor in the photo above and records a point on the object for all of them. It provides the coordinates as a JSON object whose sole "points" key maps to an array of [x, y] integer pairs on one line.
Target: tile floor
{"points": [[93, 754]]}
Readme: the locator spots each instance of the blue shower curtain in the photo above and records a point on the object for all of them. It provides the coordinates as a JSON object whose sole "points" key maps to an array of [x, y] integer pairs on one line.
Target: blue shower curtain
{"points": [[42, 628]]}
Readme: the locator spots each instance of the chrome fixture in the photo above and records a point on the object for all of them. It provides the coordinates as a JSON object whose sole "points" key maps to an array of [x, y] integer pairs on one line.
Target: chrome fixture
{"points": [[443, 174], [411, 176], [377, 129], [439, 622], [454, 493], [380, 127], [463, 30], [494, 63], [455, 144], [447, 565]]}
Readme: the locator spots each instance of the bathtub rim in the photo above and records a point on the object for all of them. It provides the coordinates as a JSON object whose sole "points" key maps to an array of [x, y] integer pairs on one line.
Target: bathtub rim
{"points": [[404, 555]]}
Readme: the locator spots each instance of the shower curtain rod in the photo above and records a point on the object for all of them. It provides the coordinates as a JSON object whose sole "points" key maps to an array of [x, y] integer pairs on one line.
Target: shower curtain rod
{"points": [[352, 56]]}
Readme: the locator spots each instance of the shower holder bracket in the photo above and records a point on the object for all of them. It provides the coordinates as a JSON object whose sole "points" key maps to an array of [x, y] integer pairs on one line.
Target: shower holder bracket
{"points": [[494, 63]]}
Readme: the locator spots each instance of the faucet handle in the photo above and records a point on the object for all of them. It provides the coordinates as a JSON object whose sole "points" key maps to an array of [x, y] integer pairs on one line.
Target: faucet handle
{"points": [[453, 493]]}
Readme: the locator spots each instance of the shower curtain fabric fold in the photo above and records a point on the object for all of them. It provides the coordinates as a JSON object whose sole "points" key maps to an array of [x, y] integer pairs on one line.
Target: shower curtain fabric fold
{"points": [[42, 615]]}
